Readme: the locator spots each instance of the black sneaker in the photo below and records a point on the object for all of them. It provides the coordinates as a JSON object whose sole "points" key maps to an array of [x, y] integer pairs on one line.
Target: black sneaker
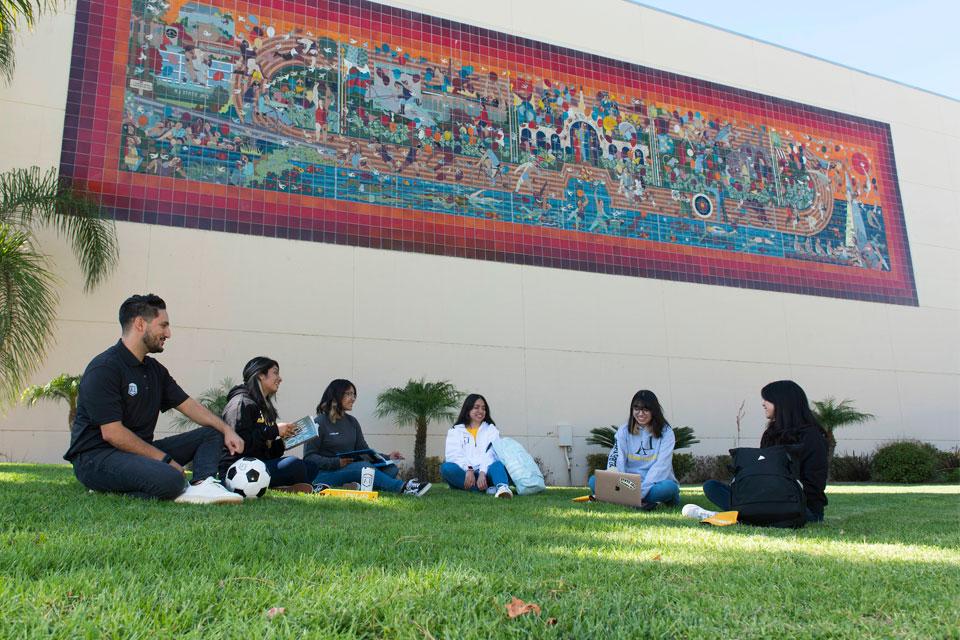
{"points": [[414, 487], [649, 506]]}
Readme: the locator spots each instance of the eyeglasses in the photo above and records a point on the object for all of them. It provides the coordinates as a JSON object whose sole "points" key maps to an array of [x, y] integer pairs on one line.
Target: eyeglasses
{"points": [[641, 410]]}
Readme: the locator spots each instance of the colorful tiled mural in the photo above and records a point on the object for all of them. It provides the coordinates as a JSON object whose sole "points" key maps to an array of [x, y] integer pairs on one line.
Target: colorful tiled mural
{"points": [[351, 122]]}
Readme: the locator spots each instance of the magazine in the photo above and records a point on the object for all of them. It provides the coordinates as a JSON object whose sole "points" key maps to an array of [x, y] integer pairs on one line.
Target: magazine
{"points": [[304, 429]]}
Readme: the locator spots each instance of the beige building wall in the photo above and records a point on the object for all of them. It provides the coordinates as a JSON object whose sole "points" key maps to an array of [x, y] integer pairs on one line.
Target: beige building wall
{"points": [[547, 347]]}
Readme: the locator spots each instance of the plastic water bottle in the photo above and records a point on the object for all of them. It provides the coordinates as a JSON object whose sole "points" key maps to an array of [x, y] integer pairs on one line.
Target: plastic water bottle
{"points": [[366, 479]]}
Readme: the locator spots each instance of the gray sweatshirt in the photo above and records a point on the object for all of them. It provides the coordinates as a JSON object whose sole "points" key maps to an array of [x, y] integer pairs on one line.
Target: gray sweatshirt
{"points": [[334, 437]]}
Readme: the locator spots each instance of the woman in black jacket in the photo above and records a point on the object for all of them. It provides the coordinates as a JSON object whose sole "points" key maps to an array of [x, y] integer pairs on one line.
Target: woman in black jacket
{"points": [[790, 423], [250, 411]]}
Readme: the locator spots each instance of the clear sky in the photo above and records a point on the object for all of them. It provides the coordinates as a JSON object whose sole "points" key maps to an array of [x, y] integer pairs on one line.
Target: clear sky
{"points": [[916, 42]]}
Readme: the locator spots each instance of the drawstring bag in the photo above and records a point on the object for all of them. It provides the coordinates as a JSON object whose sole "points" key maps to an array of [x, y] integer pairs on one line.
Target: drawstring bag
{"points": [[523, 470]]}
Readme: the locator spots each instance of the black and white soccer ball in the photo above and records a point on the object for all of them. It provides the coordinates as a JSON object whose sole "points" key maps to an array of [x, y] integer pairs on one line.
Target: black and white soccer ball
{"points": [[248, 477]]}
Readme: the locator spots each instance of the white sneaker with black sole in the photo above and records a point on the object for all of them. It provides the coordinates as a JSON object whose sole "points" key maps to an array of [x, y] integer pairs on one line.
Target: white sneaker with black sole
{"points": [[503, 491], [414, 487], [208, 491]]}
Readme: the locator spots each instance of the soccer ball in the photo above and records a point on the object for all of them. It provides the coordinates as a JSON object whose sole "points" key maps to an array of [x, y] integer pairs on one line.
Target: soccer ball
{"points": [[248, 477]]}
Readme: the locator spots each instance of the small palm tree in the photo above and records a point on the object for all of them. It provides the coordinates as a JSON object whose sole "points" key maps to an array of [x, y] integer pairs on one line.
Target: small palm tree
{"points": [[63, 387], [418, 404], [606, 437], [832, 414], [30, 198], [214, 398]]}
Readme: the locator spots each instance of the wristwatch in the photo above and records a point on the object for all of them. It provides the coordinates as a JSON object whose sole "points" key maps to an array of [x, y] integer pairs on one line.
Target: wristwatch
{"points": [[167, 458]]}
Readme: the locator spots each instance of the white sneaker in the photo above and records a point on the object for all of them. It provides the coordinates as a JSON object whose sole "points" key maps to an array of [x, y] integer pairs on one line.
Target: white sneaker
{"points": [[209, 491], [697, 512], [503, 491]]}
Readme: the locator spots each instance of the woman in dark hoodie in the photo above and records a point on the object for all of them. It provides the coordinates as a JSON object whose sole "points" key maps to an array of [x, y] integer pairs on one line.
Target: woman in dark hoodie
{"points": [[250, 411], [790, 423]]}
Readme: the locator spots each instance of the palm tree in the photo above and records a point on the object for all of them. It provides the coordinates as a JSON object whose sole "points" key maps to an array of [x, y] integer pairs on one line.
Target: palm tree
{"points": [[606, 437], [419, 403], [214, 398], [832, 414], [31, 198], [63, 387]]}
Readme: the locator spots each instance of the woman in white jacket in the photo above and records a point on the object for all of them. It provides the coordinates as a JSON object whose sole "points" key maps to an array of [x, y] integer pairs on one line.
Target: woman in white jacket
{"points": [[469, 463], [644, 445]]}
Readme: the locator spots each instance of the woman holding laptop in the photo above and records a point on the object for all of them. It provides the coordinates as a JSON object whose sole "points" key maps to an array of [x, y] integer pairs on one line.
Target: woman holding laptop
{"points": [[644, 445]]}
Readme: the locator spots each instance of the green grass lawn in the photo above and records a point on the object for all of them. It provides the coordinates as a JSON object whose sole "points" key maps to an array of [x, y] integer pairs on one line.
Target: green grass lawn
{"points": [[886, 563]]}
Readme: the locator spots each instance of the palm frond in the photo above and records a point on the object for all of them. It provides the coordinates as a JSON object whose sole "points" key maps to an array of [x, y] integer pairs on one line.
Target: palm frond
{"points": [[604, 437], [64, 387], [13, 10], [684, 437], [419, 400], [8, 57], [28, 303], [832, 413], [30, 196], [11, 13], [214, 399]]}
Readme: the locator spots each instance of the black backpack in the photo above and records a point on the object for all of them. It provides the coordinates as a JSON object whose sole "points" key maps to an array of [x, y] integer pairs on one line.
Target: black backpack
{"points": [[765, 489]]}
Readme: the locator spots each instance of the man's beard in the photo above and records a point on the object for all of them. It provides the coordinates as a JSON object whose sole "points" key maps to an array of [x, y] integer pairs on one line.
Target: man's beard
{"points": [[153, 343]]}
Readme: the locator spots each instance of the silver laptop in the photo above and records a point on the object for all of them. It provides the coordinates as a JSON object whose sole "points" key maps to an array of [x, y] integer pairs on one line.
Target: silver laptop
{"points": [[619, 488]]}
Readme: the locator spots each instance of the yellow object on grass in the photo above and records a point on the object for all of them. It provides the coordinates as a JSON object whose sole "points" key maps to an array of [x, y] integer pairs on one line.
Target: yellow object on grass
{"points": [[346, 493], [722, 519]]}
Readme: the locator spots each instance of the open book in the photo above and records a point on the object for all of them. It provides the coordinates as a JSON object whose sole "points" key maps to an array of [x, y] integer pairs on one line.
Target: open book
{"points": [[304, 429]]}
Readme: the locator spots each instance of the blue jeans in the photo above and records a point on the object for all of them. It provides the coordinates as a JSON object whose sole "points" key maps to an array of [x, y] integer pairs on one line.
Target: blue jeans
{"points": [[289, 470], [383, 478], [719, 494], [455, 476], [665, 491]]}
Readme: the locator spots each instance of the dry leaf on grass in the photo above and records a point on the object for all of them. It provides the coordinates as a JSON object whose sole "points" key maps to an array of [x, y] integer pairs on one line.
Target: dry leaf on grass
{"points": [[518, 607], [551, 622], [273, 612], [656, 556]]}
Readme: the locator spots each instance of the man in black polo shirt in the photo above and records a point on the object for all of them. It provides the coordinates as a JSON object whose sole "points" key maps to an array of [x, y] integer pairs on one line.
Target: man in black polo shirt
{"points": [[122, 393]]}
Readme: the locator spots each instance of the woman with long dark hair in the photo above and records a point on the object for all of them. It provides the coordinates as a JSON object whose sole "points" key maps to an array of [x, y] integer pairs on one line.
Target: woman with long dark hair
{"points": [[791, 423], [469, 463], [251, 412], [340, 433], [644, 445]]}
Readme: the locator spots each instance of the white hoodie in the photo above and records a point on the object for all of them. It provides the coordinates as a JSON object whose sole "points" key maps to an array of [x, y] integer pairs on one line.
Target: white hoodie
{"points": [[465, 452]]}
